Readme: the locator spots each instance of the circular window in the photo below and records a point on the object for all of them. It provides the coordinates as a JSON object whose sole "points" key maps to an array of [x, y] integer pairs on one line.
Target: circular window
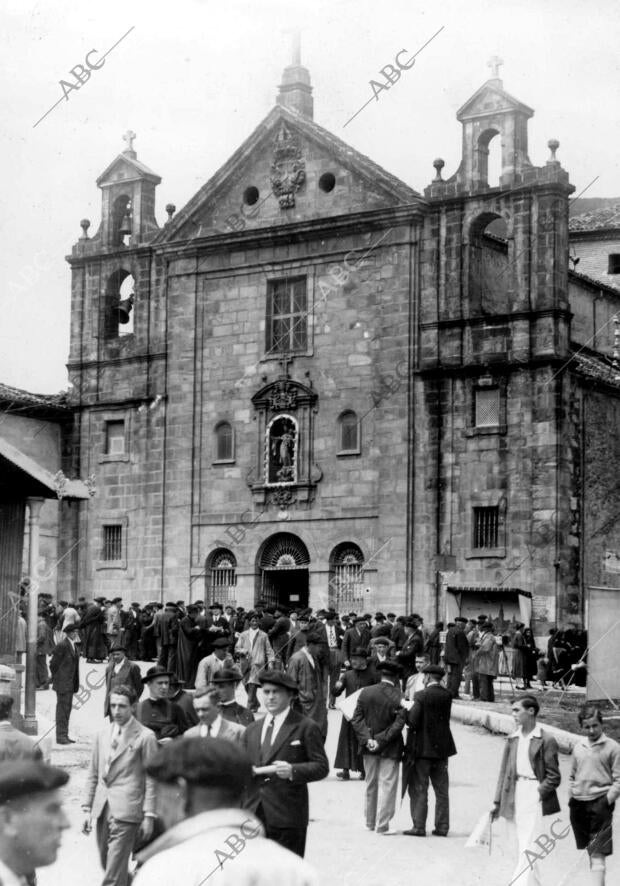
{"points": [[327, 182], [250, 196]]}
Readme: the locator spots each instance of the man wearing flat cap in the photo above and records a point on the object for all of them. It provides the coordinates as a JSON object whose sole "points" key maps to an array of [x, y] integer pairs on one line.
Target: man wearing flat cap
{"points": [[305, 670], [121, 672], [65, 671], [356, 636], [286, 751], [213, 663], [209, 838], [32, 818], [255, 653], [429, 744], [376, 710]]}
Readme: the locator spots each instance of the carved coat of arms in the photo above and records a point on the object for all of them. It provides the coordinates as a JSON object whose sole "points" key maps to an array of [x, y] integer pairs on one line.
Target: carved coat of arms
{"points": [[288, 170]]}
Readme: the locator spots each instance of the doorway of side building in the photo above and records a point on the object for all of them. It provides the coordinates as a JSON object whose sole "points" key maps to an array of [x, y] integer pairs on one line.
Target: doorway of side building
{"points": [[282, 574]]}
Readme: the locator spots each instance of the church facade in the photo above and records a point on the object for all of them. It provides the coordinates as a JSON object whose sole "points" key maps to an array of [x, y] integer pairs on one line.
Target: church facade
{"points": [[316, 386]]}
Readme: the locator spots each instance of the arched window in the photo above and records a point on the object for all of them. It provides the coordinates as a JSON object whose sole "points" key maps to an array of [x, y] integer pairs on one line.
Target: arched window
{"points": [[224, 443], [349, 433], [489, 158], [490, 270], [121, 221], [221, 578], [118, 318], [346, 585]]}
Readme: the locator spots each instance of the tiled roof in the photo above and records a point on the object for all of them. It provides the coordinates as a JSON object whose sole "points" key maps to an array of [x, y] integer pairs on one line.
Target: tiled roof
{"points": [[596, 219], [17, 399], [597, 368]]}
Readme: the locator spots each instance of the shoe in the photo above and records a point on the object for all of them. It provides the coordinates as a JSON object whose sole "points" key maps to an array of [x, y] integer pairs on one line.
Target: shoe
{"points": [[368, 828], [389, 832], [415, 832], [344, 775], [64, 741], [437, 833], [362, 776]]}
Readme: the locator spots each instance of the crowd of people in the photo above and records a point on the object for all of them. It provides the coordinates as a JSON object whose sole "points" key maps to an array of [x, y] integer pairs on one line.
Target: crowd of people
{"points": [[183, 756]]}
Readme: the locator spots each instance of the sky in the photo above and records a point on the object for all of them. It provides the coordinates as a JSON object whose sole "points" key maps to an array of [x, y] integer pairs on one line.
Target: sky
{"points": [[193, 78]]}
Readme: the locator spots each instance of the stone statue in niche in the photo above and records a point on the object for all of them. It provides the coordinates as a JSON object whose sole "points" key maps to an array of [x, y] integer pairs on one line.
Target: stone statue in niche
{"points": [[282, 451]]}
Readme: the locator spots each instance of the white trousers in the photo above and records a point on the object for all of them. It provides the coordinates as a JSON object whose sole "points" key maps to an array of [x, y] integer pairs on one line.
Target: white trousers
{"points": [[528, 823]]}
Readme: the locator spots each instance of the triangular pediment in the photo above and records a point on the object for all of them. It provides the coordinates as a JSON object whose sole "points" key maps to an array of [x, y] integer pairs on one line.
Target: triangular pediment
{"points": [[286, 167], [125, 168], [491, 98]]}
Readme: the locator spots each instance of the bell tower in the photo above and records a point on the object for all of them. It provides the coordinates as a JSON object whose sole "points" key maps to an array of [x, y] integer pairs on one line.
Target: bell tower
{"points": [[128, 199]]}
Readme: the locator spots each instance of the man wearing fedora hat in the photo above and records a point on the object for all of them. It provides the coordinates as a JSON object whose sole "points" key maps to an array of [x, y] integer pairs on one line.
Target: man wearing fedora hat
{"points": [[121, 671], [377, 708], [291, 746], [183, 699], [429, 744], [65, 671], [157, 712], [227, 681]]}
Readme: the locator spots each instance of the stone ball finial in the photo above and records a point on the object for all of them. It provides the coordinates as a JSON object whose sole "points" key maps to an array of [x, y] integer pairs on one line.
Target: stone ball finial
{"points": [[170, 209], [439, 165], [85, 225], [553, 144]]}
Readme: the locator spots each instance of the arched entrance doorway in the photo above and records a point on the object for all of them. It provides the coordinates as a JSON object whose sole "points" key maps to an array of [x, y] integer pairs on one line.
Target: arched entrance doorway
{"points": [[282, 574]]}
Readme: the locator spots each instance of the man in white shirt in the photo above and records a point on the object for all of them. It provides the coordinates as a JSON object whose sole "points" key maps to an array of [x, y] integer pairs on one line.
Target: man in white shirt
{"points": [[209, 838], [119, 796], [526, 788], [32, 818], [208, 707]]}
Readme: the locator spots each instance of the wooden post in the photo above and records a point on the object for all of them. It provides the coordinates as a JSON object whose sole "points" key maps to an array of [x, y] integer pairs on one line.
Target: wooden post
{"points": [[30, 719]]}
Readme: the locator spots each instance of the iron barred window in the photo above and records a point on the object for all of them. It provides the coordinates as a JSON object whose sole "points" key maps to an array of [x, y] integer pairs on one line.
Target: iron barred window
{"points": [[486, 407], [115, 437], [221, 578], [486, 528], [112, 543], [287, 316]]}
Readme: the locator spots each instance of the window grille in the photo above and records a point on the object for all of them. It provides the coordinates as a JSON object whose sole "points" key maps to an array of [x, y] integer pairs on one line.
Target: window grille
{"points": [[112, 543], [222, 579], [287, 316], [613, 266], [115, 437], [486, 407], [486, 528], [347, 581], [349, 432], [224, 442]]}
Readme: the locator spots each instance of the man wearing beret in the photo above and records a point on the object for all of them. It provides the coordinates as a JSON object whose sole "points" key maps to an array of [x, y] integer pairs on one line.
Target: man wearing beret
{"points": [[32, 818], [209, 838], [158, 712], [305, 670], [119, 796], [377, 708], [65, 670], [286, 751], [429, 744]]}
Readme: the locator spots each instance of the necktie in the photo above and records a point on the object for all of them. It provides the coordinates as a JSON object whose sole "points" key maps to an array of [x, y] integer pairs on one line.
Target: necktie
{"points": [[205, 730], [266, 745]]}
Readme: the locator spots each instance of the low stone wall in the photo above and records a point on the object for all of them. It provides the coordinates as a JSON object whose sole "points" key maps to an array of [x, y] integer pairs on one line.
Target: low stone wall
{"points": [[503, 724]]}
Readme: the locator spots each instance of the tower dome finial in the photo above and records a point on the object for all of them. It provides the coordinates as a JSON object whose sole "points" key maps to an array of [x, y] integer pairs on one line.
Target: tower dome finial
{"points": [[295, 91]]}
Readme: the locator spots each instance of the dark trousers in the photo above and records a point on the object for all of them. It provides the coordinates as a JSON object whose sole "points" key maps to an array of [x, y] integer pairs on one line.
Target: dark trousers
{"points": [[591, 821], [334, 671], [293, 839], [475, 684], [487, 692], [64, 701], [252, 699], [42, 678], [454, 679], [168, 658], [437, 771]]}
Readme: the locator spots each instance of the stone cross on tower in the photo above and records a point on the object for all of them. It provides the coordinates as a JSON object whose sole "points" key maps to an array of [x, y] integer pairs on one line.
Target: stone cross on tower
{"points": [[129, 137], [495, 63]]}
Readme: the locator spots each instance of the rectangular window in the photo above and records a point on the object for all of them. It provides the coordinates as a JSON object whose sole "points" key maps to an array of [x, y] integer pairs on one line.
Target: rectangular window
{"points": [[112, 543], [613, 266], [486, 407], [287, 316], [115, 437], [486, 528]]}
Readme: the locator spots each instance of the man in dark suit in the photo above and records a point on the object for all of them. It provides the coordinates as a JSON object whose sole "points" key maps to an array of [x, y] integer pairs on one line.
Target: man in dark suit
{"points": [[121, 672], [413, 645], [355, 637], [377, 709], [429, 744], [65, 670], [290, 747], [226, 681], [455, 654]]}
